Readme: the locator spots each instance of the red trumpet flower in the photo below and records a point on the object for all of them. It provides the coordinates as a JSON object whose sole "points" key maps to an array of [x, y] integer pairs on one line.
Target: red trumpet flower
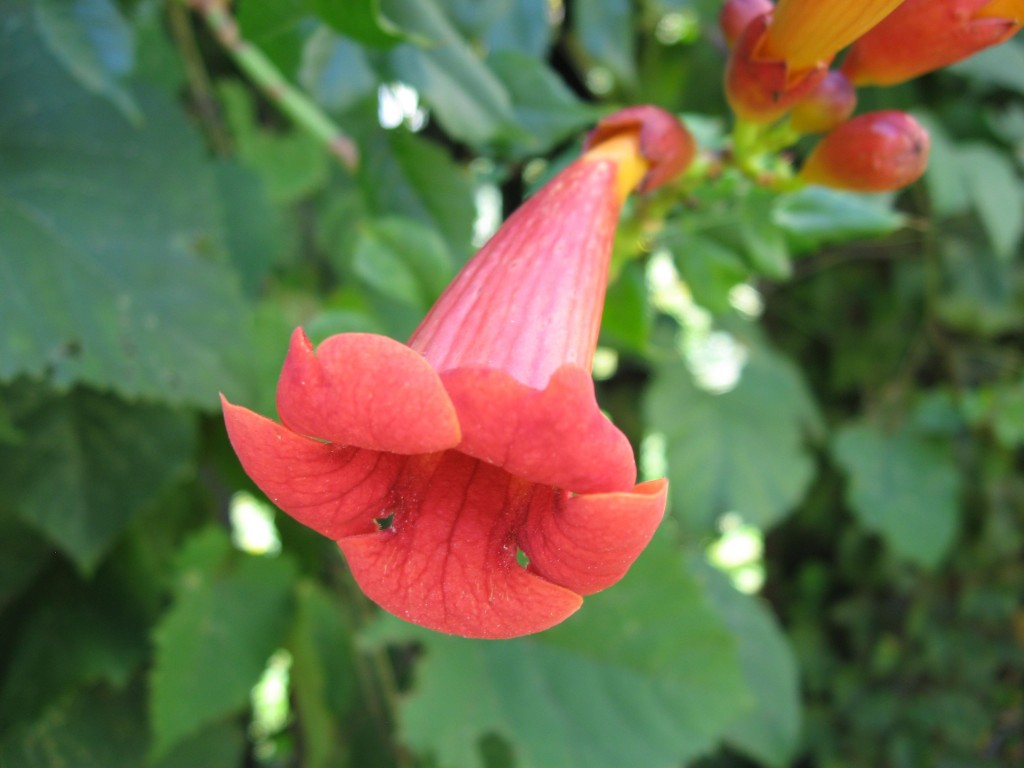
{"points": [[433, 464], [924, 35], [782, 56]]}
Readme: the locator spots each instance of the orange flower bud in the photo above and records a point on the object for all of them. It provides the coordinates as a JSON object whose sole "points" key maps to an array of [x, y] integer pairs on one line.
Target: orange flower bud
{"points": [[808, 32], [759, 89], [737, 14], [828, 105], [874, 152], [924, 35]]}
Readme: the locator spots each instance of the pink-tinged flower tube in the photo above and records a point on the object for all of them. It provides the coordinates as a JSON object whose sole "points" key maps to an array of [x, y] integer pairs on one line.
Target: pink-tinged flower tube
{"points": [[924, 35], [433, 464], [874, 152], [828, 105]]}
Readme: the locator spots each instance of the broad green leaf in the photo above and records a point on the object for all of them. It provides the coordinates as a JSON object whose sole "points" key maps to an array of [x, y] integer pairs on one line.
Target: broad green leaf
{"points": [[94, 43], [23, 555], [276, 28], [1001, 67], [89, 464], [738, 451], [292, 165], [645, 674], [814, 216], [903, 486], [323, 674], [605, 30], [108, 240], [709, 268], [404, 260], [543, 105], [626, 321], [406, 175], [997, 193], [104, 726], [770, 730], [764, 243], [501, 25], [982, 293], [943, 178], [254, 228], [468, 100], [336, 71], [98, 726], [230, 613], [360, 20], [75, 634]]}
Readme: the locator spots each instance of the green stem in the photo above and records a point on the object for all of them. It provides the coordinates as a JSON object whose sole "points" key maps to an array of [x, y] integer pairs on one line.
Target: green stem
{"points": [[198, 79], [254, 63]]}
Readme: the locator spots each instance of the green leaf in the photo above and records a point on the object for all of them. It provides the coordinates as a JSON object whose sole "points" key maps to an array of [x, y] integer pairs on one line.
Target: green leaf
{"points": [[95, 45], [275, 27], [406, 175], [1001, 66], [605, 29], [542, 104], [903, 486], [323, 674], [101, 726], [645, 674], [254, 228], [75, 634], [739, 451], [500, 25], [982, 291], [769, 731], [997, 195], [292, 165], [943, 178], [710, 269], [89, 464], [361, 20], [468, 100], [404, 260], [107, 234], [336, 71], [626, 321], [814, 216], [764, 243], [230, 613], [23, 555]]}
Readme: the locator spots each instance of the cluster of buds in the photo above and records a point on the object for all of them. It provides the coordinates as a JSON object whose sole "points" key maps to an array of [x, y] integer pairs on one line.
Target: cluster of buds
{"points": [[780, 66]]}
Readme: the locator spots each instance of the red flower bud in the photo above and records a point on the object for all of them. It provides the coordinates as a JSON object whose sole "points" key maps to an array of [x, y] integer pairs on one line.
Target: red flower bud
{"points": [[875, 152], [924, 35], [828, 105], [737, 14], [760, 89], [483, 435]]}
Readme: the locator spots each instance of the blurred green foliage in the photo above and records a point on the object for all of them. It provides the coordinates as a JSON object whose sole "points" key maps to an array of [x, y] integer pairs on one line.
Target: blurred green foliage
{"points": [[843, 374]]}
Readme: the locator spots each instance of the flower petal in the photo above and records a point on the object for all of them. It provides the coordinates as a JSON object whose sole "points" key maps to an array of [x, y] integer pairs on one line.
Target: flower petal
{"points": [[587, 543], [368, 391], [665, 143], [337, 491], [556, 436], [448, 560]]}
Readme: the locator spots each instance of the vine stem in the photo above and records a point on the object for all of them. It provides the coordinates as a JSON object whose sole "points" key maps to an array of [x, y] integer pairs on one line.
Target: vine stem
{"points": [[255, 64]]}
